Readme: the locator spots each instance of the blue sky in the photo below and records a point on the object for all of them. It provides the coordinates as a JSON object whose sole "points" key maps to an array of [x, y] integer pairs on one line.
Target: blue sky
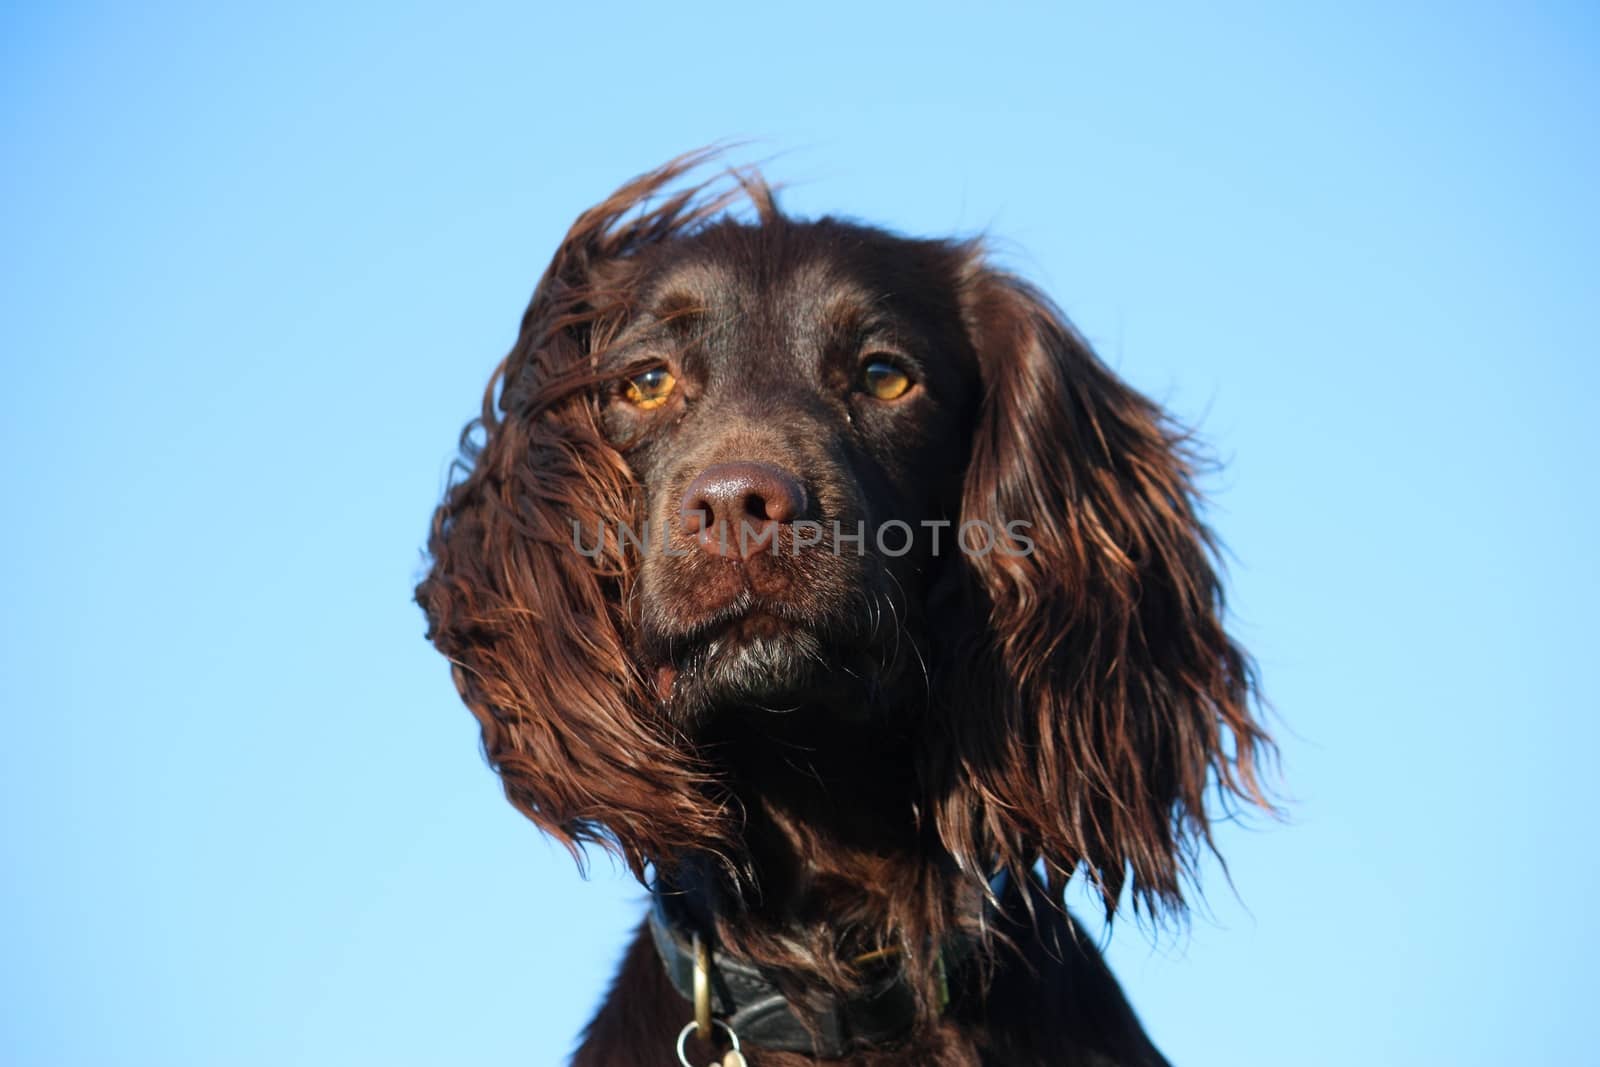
{"points": [[257, 265]]}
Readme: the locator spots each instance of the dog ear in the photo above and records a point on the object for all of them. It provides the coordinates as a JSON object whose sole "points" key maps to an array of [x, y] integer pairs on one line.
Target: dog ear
{"points": [[1115, 694], [532, 624]]}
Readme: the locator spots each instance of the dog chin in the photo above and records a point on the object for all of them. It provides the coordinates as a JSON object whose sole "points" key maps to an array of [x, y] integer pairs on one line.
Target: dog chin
{"points": [[771, 672], [761, 662], [762, 669]]}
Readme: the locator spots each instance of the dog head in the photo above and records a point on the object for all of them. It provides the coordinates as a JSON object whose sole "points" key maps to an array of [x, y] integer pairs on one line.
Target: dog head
{"points": [[745, 467]]}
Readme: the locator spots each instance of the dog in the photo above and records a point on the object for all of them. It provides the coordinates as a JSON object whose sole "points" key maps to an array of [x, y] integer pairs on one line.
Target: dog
{"points": [[829, 579]]}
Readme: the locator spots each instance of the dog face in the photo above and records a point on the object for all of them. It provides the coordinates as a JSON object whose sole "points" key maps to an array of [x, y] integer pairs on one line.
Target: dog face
{"points": [[794, 401], [782, 414]]}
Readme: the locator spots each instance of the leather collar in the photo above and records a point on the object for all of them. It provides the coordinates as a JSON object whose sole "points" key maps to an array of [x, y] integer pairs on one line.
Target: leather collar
{"points": [[752, 1006], [750, 1003]]}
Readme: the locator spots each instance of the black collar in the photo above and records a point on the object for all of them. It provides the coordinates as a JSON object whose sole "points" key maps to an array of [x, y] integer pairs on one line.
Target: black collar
{"points": [[751, 1005]]}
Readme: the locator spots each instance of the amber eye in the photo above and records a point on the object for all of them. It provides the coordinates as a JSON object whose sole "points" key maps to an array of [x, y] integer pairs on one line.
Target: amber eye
{"points": [[651, 388], [884, 380]]}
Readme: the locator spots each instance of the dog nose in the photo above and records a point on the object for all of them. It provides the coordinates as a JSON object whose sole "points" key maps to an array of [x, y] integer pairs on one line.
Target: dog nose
{"points": [[734, 509]]}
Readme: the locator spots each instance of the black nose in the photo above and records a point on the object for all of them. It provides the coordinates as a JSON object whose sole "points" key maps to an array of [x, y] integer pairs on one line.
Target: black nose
{"points": [[734, 509]]}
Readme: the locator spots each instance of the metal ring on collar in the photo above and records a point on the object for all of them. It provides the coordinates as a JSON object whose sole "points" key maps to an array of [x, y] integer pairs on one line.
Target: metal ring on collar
{"points": [[688, 1028]]}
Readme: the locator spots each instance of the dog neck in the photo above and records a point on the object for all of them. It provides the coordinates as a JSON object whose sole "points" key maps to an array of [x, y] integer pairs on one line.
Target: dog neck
{"points": [[846, 922], [836, 865], [823, 798]]}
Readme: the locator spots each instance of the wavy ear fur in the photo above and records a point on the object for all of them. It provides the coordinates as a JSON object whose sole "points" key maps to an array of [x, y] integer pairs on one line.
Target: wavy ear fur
{"points": [[534, 627], [1119, 695]]}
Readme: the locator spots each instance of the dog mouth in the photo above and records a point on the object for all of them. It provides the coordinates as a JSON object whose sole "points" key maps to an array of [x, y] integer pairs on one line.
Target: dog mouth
{"points": [[750, 652], [757, 655]]}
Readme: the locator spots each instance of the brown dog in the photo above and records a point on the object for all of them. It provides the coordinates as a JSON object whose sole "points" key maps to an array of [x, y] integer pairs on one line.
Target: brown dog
{"points": [[828, 577]]}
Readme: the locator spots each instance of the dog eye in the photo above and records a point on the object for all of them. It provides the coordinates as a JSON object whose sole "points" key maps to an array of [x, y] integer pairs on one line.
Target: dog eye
{"points": [[651, 388], [884, 380]]}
